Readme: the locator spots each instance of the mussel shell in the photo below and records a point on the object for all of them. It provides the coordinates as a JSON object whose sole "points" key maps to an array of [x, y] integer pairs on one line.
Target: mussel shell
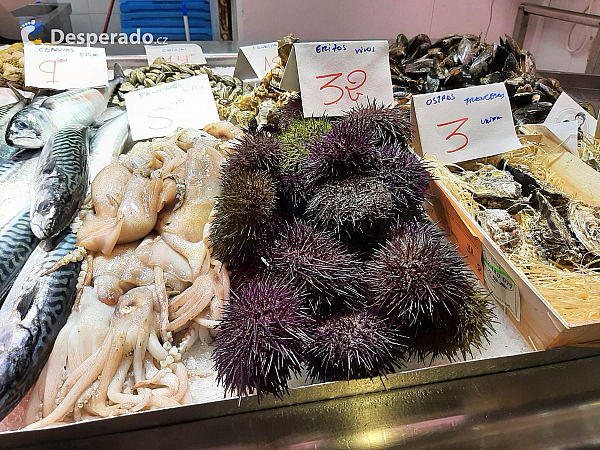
{"points": [[532, 113], [417, 43]]}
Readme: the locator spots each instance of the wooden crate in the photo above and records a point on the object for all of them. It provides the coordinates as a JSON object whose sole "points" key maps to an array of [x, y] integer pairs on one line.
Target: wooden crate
{"points": [[538, 322]]}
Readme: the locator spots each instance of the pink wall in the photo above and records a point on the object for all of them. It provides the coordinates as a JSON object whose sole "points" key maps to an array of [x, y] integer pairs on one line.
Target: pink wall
{"points": [[376, 19]]}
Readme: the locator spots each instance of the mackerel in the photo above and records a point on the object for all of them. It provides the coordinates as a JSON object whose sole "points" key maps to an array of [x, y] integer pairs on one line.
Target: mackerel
{"points": [[108, 143], [7, 112], [32, 127], [33, 313], [17, 242], [60, 181]]}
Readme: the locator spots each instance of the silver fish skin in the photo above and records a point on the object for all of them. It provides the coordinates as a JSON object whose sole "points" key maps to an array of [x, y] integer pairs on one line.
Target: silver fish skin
{"points": [[60, 181], [108, 143], [33, 314], [7, 112], [17, 242], [110, 113], [16, 176], [32, 127]]}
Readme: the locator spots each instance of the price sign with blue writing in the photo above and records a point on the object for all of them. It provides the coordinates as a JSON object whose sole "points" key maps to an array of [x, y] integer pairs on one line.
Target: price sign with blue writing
{"points": [[63, 67], [255, 61], [333, 77], [464, 124], [160, 110]]}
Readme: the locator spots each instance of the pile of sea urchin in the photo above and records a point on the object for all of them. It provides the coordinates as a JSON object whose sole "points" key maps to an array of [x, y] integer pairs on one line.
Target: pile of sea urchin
{"points": [[335, 267]]}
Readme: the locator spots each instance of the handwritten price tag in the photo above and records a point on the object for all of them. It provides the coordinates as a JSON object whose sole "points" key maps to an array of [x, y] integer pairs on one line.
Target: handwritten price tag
{"points": [[464, 124], [334, 77], [159, 110], [176, 53], [255, 61], [501, 285], [63, 67]]}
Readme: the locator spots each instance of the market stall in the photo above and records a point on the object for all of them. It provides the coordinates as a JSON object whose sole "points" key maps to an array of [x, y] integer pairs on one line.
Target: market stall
{"points": [[269, 254]]}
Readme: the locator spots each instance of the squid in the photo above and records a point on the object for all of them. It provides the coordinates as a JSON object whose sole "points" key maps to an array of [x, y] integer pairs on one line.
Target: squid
{"points": [[131, 371]]}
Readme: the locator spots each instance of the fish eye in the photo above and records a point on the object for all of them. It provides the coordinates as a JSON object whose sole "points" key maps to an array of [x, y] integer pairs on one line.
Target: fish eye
{"points": [[45, 207], [20, 124]]}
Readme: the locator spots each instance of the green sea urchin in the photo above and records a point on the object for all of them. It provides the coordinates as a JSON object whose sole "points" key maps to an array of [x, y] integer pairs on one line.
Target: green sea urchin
{"points": [[351, 345], [390, 125], [255, 151], [346, 150], [417, 277], [244, 209], [319, 264], [351, 205], [261, 338], [468, 329], [405, 175], [291, 110]]}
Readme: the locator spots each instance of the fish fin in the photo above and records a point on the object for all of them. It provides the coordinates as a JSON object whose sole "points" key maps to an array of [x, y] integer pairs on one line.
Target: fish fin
{"points": [[118, 71], [16, 92], [25, 302]]}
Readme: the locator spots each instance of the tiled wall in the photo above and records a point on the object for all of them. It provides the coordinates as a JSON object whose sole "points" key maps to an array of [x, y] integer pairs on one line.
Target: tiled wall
{"points": [[88, 16]]}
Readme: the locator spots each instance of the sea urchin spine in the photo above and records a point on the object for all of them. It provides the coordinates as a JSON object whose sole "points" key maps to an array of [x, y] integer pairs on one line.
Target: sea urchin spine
{"points": [[261, 338], [351, 345]]}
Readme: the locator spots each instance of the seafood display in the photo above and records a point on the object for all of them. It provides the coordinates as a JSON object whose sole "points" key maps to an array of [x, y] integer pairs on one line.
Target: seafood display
{"points": [[420, 66], [226, 89], [550, 237], [7, 112], [12, 63]]}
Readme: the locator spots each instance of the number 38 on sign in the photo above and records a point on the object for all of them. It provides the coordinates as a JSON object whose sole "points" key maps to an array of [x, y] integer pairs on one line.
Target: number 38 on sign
{"points": [[333, 77], [464, 124]]}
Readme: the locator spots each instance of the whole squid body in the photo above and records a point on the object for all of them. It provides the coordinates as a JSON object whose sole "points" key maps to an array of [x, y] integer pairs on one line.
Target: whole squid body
{"points": [[32, 127], [33, 313], [17, 242], [60, 181], [108, 143]]}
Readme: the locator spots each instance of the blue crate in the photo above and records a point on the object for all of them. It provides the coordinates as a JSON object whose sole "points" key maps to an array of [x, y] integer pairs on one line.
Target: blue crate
{"points": [[173, 22], [174, 34], [128, 6]]}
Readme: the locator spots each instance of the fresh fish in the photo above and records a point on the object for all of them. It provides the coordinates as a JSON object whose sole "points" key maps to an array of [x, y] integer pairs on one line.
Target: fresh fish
{"points": [[33, 313], [60, 181], [16, 176], [7, 112], [16, 244], [32, 127], [110, 113], [108, 143]]}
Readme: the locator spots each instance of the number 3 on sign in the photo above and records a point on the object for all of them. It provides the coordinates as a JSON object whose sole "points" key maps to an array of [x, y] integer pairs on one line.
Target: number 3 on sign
{"points": [[362, 78], [456, 133]]}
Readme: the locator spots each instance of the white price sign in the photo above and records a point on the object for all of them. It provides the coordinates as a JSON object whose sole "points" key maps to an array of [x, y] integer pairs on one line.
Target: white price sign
{"points": [[160, 110], [464, 124], [63, 67], [500, 284], [255, 61], [334, 77], [176, 53]]}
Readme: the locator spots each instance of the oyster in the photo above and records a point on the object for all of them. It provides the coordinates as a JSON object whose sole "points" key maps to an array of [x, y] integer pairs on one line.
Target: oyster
{"points": [[491, 187], [585, 223]]}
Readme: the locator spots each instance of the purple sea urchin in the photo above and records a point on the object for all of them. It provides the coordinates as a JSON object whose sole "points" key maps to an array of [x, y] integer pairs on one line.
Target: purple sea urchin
{"points": [[346, 150], [318, 264], [261, 338], [355, 344], [244, 209], [390, 125], [417, 277], [255, 151], [405, 175], [350, 205]]}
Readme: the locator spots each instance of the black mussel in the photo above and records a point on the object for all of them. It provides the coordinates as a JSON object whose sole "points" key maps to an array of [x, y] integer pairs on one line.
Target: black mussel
{"points": [[550, 93], [398, 48], [511, 67], [528, 63], [500, 54], [459, 77], [511, 46], [415, 44], [420, 66], [522, 98], [532, 113], [480, 64], [494, 77], [466, 51], [431, 84]]}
